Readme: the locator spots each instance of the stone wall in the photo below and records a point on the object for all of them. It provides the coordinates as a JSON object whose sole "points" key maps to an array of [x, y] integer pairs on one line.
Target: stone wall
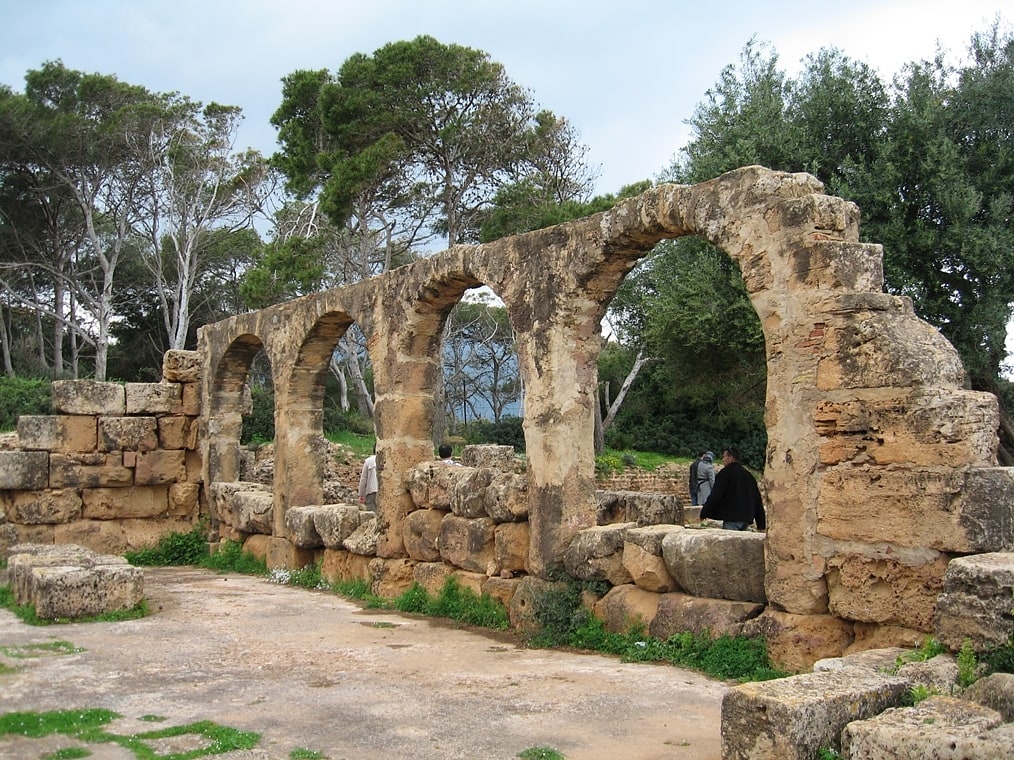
{"points": [[114, 468]]}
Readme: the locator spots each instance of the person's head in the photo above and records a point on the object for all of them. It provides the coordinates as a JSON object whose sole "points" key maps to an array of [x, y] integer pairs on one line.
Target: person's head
{"points": [[445, 451], [731, 454], [708, 456]]}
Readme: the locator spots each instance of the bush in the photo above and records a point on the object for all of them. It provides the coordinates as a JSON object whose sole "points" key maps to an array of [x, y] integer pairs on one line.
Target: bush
{"points": [[22, 395], [173, 549], [507, 432]]}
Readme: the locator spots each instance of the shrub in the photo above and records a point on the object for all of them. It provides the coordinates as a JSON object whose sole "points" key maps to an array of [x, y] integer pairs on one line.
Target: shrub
{"points": [[507, 432], [22, 395], [173, 549]]}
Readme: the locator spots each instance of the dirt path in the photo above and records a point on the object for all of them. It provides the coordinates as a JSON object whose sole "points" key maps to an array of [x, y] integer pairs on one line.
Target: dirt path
{"points": [[310, 670]]}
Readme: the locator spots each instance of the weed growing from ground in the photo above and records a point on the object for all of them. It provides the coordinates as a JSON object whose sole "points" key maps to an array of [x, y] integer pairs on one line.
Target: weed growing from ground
{"points": [[968, 665], [230, 557], [455, 602], [299, 753], [173, 549], [40, 650], [541, 753], [929, 649]]}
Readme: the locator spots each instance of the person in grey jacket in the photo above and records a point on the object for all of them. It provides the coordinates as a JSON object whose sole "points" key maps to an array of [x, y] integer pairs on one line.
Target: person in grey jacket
{"points": [[705, 477]]}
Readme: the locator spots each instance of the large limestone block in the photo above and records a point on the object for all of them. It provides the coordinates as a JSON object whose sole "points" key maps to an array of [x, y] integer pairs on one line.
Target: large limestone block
{"points": [[153, 398], [190, 403], [24, 470], [282, 553], [995, 691], [533, 597], [342, 565], [127, 433], [177, 433], [468, 544], [939, 674], [507, 497], [184, 499], [57, 432], [75, 592], [642, 557], [179, 366], [719, 564], [681, 613], [300, 528], [792, 718], [885, 590], [124, 503], [252, 511], [468, 494], [366, 537], [432, 576], [88, 397], [391, 577], [422, 533], [626, 608], [877, 660], [976, 601], [429, 484], [511, 542], [637, 507], [940, 727], [501, 589], [795, 642], [924, 428], [160, 467], [220, 497], [874, 340], [336, 522], [88, 471], [958, 511], [597, 554], [490, 456], [42, 507], [836, 265]]}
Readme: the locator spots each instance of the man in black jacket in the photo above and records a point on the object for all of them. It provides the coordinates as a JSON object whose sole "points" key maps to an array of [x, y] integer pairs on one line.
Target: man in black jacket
{"points": [[735, 499]]}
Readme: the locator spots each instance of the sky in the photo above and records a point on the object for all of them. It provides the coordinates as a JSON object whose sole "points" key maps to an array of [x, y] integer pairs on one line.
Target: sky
{"points": [[626, 74]]}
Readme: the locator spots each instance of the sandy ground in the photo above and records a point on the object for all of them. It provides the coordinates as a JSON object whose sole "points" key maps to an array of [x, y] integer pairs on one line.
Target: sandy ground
{"points": [[310, 670]]}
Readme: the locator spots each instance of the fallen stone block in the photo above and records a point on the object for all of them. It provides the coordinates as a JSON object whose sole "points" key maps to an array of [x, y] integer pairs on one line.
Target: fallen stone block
{"points": [[793, 718], [717, 564], [299, 525], [941, 728], [336, 522], [976, 601]]}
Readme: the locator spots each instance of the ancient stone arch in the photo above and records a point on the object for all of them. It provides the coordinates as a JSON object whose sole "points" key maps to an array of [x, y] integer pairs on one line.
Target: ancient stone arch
{"points": [[880, 465]]}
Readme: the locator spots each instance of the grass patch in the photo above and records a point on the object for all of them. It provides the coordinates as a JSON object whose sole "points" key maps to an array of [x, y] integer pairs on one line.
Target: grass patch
{"points": [[541, 753], [27, 614], [23, 651], [360, 444], [174, 549], [457, 603], [88, 727], [300, 753]]}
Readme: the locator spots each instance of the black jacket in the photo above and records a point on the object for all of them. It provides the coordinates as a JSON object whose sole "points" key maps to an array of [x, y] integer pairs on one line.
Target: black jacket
{"points": [[735, 497]]}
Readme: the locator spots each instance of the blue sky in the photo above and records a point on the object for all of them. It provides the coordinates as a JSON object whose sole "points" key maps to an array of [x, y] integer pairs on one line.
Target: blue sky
{"points": [[626, 74]]}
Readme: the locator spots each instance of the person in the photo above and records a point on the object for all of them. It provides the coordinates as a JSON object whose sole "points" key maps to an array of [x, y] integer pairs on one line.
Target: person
{"points": [[368, 482], [445, 452], [694, 501], [705, 477], [735, 499]]}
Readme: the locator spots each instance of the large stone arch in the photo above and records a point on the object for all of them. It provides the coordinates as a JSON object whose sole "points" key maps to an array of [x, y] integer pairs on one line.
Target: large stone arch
{"points": [[850, 370]]}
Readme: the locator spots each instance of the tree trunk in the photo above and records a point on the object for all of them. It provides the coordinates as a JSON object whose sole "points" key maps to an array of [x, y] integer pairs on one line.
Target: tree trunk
{"points": [[628, 381]]}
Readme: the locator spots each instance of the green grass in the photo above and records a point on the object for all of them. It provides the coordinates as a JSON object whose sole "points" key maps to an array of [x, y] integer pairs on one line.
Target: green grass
{"points": [[457, 603], [22, 651], [541, 753], [300, 753], [88, 727], [361, 445]]}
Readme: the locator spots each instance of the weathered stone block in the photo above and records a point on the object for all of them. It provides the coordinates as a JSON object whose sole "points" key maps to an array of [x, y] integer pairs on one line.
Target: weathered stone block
{"points": [[525, 602], [636, 507], [939, 674], [125, 503], [501, 589], [24, 470], [792, 718], [422, 531], [886, 591], [511, 541], [957, 511], [252, 511], [62, 433], [500, 459], [875, 636], [88, 471], [184, 499], [366, 537], [679, 613], [341, 565], [220, 497], [995, 691], [282, 553], [299, 525], [133, 433], [391, 577], [642, 558], [160, 467], [976, 601], [177, 433], [626, 607], [597, 554], [837, 265], [179, 366], [432, 576], [153, 398], [430, 485], [507, 497], [334, 523], [42, 507], [468, 494], [467, 543], [940, 727], [715, 563], [88, 397], [795, 642]]}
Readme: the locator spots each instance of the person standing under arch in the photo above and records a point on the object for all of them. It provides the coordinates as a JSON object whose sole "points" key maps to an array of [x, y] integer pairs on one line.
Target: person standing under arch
{"points": [[736, 499]]}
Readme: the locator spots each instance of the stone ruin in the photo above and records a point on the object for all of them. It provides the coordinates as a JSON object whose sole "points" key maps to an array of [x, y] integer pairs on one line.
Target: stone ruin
{"points": [[888, 517]]}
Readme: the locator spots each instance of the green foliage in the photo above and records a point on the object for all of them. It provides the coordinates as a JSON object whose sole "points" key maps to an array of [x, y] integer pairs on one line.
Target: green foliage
{"points": [[999, 659], [173, 549], [360, 444], [509, 431], [259, 424], [929, 649], [541, 753], [307, 576], [300, 753], [230, 558], [968, 664], [22, 395], [40, 650], [826, 753], [917, 693], [456, 603], [87, 726]]}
